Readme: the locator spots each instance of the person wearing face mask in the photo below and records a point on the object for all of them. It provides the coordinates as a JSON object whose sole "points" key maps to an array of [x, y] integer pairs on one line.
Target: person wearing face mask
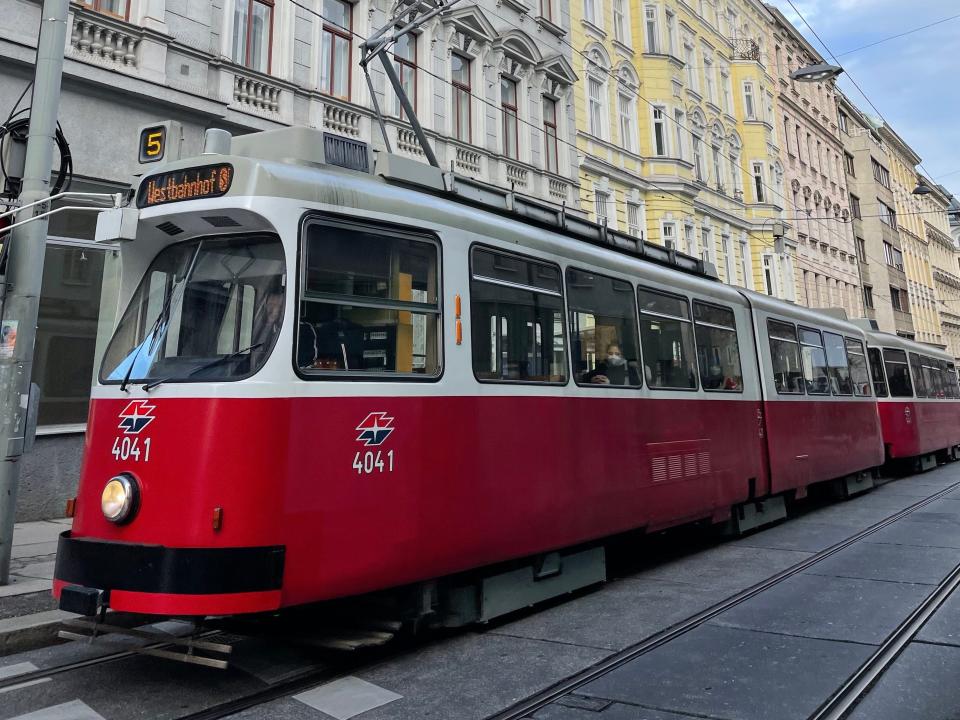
{"points": [[612, 370]]}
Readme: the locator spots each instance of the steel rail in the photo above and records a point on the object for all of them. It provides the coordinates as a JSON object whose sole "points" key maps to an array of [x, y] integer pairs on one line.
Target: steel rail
{"points": [[849, 694], [529, 705], [40, 674]]}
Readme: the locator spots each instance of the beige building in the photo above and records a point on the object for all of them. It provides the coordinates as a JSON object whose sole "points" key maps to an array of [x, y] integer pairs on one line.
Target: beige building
{"points": [[879, 251], [907, 216], [811, 153], [944, 256]]}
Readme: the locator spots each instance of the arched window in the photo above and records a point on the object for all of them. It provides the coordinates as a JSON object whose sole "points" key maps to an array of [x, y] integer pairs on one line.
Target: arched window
{"points": [[697, 128], [598, 70]]}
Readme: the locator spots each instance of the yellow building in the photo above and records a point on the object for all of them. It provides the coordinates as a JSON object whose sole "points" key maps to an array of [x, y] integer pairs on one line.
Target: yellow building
{"points": [[675, 126], [908, 215]]}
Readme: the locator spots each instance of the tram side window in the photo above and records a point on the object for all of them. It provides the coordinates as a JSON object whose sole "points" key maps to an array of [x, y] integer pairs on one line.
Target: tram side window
{"points": [[785, 356], [953, 390], [603, 330], [718, 353], [815, 374], [876, 372], [838, 367], [369, 302], [922, 382], [898, 375], [940, 371], [859, 374], [517, 319], [667, 337]]}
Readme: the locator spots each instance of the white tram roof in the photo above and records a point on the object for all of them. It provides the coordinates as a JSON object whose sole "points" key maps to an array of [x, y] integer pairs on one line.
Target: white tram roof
{"points": [[887, 340]]}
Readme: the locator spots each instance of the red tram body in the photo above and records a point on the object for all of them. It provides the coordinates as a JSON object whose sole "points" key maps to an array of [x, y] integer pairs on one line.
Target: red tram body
{"points": [[327, 383]]}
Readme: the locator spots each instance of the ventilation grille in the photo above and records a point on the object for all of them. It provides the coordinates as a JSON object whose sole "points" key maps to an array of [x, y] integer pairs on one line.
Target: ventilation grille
{"points": [[221, 221], [169, 228], [677, 461], [346, 153]]}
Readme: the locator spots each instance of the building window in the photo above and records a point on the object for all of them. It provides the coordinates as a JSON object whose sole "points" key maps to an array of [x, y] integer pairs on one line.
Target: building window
{"points": [[672, 33], [888, 215], [659, 133], [749, 108], [708, 76], [698, 157], [725, 89], [669, 235], [769, 279], [628, 132], [595, 93], [690, 59], [758, 185], [117, 8], [855, 207], [550, 134], [729, 261], [517, 319], [405, 59], [706, 237], [461, 98], [868, 296], [861, 249], [679, 123], [546, 10], [335, 60], [786, 134], [600, 202], [745, 264], [621, 24], [898, 298], [848, 164], [880, 173], [653, 29], [508, 101], [590, 11], [843, 121], [634, 220], [252, 30], [689, 240]]}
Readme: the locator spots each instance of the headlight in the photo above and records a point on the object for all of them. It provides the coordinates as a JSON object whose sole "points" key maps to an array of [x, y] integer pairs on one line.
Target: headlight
{"points": [[120, 499]]}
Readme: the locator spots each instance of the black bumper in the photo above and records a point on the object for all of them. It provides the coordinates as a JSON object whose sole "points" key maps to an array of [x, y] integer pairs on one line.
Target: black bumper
{"points": [[158, 569]]}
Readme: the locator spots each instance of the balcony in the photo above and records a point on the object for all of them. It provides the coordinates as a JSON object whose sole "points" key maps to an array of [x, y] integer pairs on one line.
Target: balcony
{"points": [[745, 49], [102, 40]]}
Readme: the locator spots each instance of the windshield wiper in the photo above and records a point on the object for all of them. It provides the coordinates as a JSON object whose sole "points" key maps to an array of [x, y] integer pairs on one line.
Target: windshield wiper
{"points": [[206, 366], [161, 319]]}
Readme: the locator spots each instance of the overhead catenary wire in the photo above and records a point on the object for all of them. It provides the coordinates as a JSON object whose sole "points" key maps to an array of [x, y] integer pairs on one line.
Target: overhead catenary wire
{"points": [[763, 241]]}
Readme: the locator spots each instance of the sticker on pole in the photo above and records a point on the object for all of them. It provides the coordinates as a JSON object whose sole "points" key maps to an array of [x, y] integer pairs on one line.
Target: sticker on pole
{"points": [[8, 338]]}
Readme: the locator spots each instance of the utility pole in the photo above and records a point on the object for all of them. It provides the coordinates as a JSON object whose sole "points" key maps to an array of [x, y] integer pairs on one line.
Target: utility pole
{"points": [[24, 275]]}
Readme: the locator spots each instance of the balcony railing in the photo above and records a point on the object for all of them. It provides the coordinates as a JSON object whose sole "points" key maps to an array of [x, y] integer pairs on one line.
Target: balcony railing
{"points": [[746, 49], [103, 40], [254, 94]]}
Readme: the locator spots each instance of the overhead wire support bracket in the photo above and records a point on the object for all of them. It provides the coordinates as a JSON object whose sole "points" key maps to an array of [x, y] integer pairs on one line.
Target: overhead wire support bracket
{"points": [[376, 46]]}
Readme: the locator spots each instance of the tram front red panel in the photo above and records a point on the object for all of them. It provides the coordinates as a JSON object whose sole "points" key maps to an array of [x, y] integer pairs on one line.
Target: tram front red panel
{"points": [[367, 493], [913, 428], [812, 440]]}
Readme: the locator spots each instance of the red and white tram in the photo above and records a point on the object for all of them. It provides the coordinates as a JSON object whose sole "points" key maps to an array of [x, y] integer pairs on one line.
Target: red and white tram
{"points": [[917, 397], [327, 382]]}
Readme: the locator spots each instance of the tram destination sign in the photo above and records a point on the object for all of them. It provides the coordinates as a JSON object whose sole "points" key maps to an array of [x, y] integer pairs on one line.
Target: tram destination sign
{"points": [[210, 181]]}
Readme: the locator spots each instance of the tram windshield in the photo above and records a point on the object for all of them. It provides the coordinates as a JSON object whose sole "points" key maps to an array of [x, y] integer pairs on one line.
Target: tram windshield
{"points": [[206, 310]]}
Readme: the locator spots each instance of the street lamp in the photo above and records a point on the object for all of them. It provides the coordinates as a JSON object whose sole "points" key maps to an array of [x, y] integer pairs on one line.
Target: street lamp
{"points": [[922, 188], [816, 73]]}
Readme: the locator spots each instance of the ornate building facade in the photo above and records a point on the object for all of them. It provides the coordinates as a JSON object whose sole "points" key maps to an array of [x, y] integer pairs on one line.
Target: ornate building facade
{"points": [[811, 153], [676, 130], [879, 251]]}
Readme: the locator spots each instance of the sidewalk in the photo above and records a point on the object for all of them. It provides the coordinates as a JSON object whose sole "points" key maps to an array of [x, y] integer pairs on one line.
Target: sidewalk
{"points": [[31, 571]]}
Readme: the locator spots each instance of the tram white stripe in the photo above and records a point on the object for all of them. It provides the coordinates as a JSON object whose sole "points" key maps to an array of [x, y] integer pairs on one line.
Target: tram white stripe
{"points": [[346, 698], [73, 710]]}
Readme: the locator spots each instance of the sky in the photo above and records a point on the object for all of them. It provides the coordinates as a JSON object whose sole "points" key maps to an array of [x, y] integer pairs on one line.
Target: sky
{"points": [[914, 81]]}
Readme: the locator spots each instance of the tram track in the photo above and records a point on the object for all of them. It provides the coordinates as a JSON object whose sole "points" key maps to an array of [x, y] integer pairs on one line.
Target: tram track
{"points": [[834, 709], [836, 706]]}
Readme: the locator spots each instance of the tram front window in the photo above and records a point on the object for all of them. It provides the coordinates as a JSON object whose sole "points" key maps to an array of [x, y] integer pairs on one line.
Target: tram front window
{"points": [[206, 310]]}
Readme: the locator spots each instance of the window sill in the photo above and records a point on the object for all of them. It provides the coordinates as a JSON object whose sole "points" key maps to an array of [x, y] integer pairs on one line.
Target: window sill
{"points": [[53, 430]]}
